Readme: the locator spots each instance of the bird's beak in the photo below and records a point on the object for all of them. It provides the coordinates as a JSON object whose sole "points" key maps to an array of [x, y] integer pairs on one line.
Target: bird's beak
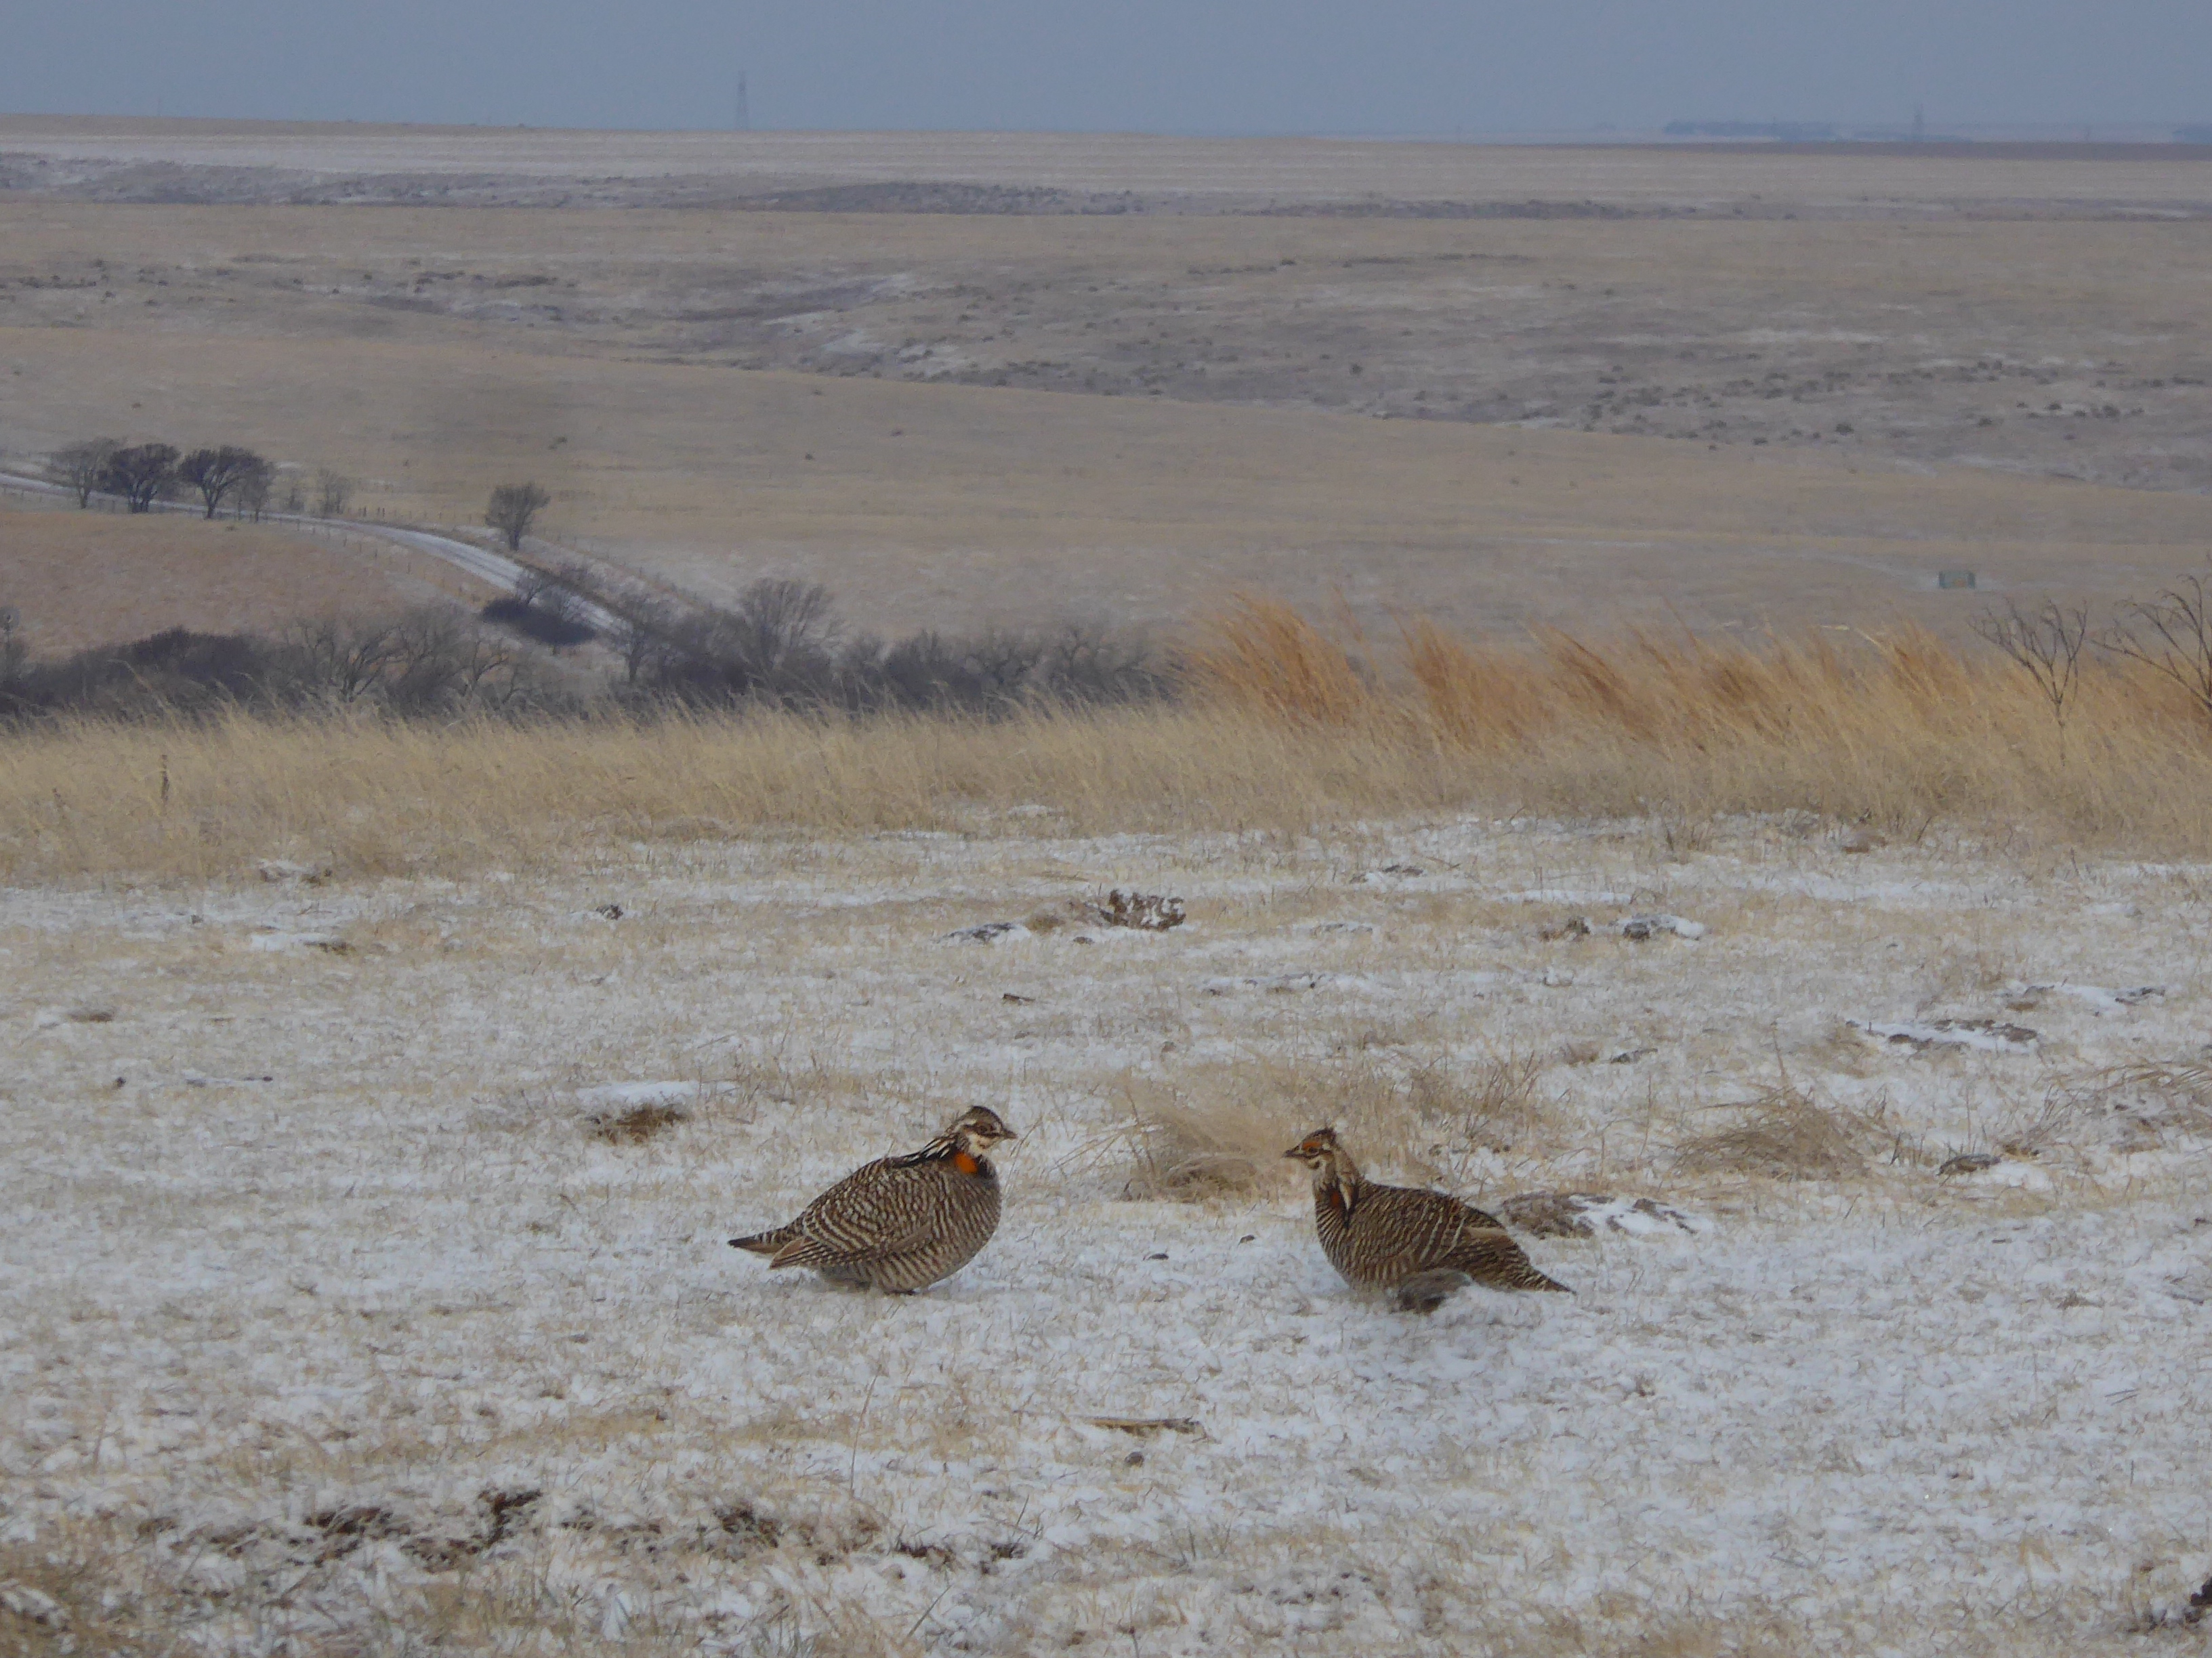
{"points": [[1008, 1135], [1295, 1151]]}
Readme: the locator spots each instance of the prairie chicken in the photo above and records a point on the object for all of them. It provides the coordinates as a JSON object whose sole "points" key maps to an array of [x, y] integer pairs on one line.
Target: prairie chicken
{"points": [[899, 1224], [1422, 1245]]}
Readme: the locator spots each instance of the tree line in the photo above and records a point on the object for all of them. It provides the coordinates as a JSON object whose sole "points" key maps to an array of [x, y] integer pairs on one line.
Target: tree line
{"points": [[143, 474]]}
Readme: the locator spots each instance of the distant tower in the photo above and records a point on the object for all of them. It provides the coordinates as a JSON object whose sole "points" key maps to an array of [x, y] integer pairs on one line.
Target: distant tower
{"points": [[1919, 124], [744, 107]]}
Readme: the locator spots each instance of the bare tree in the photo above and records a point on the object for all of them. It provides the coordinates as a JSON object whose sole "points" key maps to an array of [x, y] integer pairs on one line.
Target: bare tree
{"points": [[217, 473], [779, 619], [254, 491], [333, 490], [513, 509], [81, 467], [142, 475], [641, 634], [2172, 635], [2046, 644]]}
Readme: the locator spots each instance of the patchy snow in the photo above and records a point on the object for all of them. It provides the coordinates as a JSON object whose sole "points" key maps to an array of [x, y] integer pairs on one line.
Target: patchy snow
{"points": [[2099, 999], [1984, 1036], [323, 1310]]}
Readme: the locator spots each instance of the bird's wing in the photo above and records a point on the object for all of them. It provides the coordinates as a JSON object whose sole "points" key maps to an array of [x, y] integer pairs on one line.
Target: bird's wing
{"points": [[1461, 1236], [874, 1212], [1426, 1228]]}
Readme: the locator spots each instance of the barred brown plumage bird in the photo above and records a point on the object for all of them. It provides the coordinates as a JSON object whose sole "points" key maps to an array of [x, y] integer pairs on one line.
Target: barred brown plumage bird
{"points": [[899, 1224], [1424, 1245]]}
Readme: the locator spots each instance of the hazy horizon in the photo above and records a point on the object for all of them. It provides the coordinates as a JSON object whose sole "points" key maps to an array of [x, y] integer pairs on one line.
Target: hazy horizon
{"points": [[1419, 67]]}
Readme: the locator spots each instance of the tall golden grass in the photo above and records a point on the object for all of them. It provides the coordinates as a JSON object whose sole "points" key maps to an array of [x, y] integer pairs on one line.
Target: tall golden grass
{"points": [[1282, 728], [1897, 730]]}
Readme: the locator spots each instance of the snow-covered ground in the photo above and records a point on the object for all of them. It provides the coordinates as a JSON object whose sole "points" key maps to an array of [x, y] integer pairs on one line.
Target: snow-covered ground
{"points": [[346, 1307]]}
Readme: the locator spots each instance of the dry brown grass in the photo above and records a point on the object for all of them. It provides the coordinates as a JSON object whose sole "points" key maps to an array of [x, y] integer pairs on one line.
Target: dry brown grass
{"points": [[1783, 1133], [1221, 1129], [1284, 731], [1898, 731], [83, 578]]}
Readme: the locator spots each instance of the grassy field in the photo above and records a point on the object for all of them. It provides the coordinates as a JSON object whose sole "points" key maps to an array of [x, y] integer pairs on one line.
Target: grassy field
{"points": [[1792, 414], [81, 578], [944, 505]]}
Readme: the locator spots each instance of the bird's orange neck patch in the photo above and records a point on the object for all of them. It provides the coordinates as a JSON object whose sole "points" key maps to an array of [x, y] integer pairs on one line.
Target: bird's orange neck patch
{"points": [[1335, 1194], [965, 1162]]}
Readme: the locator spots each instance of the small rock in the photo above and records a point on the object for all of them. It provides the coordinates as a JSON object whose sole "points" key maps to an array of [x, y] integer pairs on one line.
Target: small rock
{"points": [[990, 933], [1010, 996], [1425, 1292], [608, 912], [1574, 927], [1631, 1055], [1862, 840], [1146, 912], [328, 943], [50, 1018], [283, 869], [1640, 927], [1970, 1162]]}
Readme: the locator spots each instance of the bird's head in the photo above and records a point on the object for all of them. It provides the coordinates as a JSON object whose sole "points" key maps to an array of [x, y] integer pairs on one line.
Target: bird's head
{"points": [[977, 1129], [1320, 1153]]}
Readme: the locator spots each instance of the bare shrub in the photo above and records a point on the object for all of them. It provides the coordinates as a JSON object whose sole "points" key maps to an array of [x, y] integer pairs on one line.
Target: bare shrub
{"points": [[2172, 635], [1783, 1133], [425, 661], [2046, 644], [175, 671], [2141, 1102], [333, 494], [549, 605]]}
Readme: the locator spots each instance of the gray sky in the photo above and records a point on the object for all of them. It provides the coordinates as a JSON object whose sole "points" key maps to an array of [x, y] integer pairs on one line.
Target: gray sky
{"points": [[1121, 65]]}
